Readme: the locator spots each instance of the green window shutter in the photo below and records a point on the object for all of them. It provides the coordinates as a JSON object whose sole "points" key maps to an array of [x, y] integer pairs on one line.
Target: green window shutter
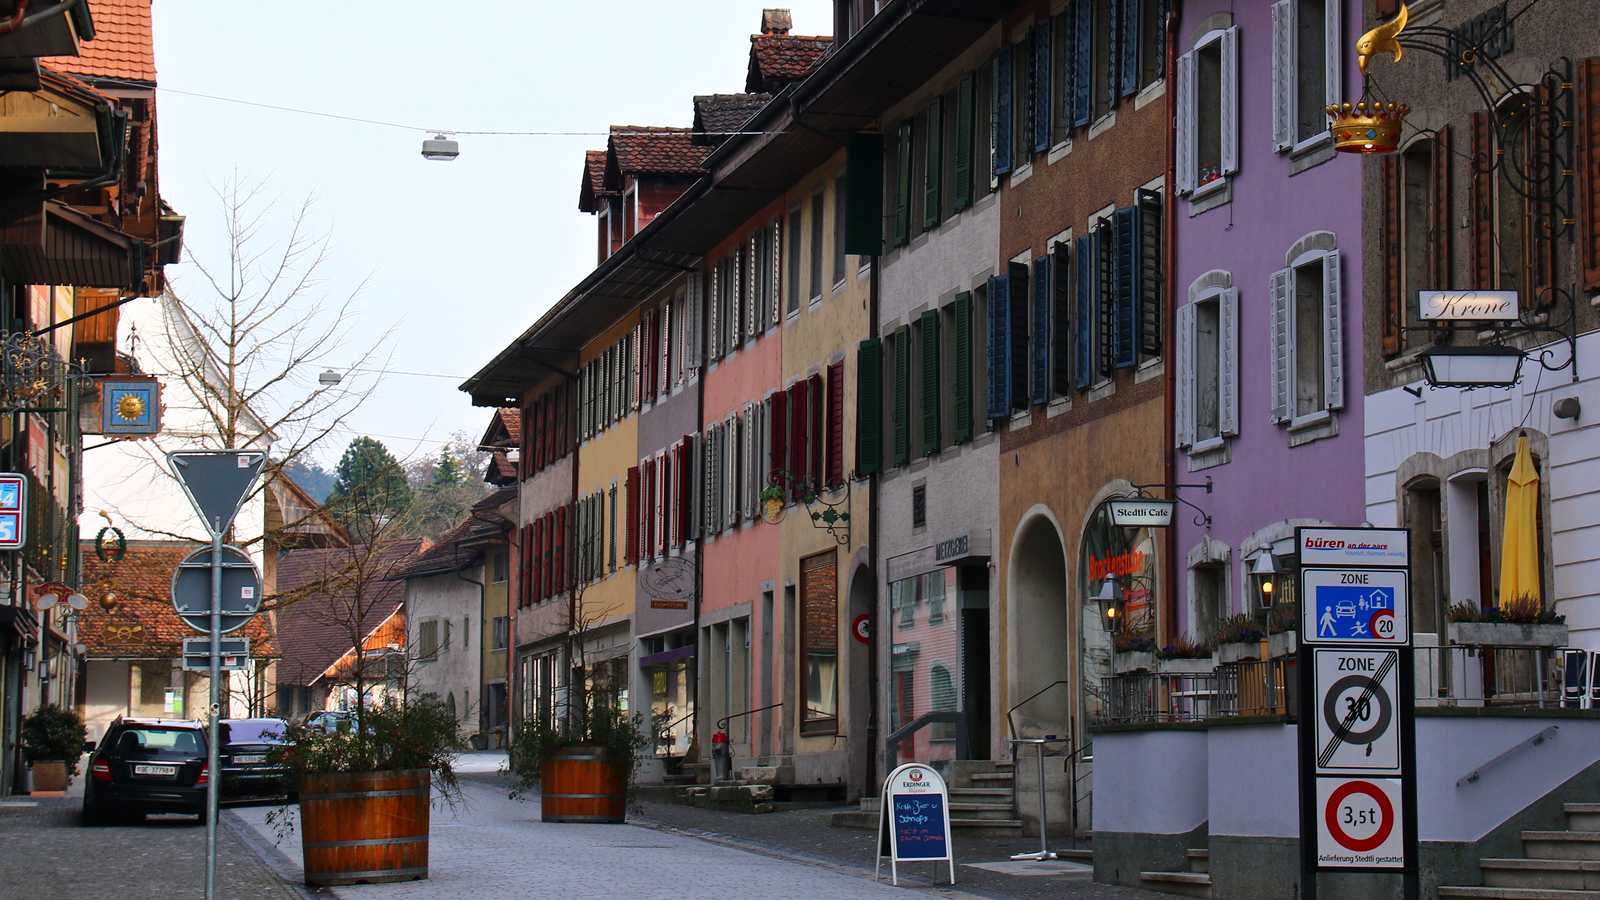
{"points": [[933, 166], [932, 397], [902, 396], [902, 188], [869, 406], [963, 375], [965, 129], [863, 194]]}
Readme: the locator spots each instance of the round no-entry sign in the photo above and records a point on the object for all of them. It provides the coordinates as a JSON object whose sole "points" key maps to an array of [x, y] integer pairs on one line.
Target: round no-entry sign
{"points": [[862, 628], [1368, 813], [1359, 826]]}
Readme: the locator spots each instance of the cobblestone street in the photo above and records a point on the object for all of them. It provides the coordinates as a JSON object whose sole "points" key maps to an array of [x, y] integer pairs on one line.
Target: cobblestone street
{"points": [[50, 856]]}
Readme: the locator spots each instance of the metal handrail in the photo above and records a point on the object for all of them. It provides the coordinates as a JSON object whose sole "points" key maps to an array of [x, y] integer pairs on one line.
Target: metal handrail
{"points": [[891, 744], [722, 723], [1545, 735], [667, 731], [1011, 723]]}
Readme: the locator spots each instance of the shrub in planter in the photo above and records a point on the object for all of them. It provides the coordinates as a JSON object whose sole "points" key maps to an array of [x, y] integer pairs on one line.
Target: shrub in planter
{"points": [[52, 735], [364, 791], [588, 756]]}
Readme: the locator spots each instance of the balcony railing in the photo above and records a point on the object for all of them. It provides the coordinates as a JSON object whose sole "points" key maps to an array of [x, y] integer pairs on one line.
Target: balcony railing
{"points": [[1465, 677]]}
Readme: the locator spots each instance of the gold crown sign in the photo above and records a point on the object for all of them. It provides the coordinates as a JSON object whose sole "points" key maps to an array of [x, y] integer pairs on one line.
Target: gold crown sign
{"points": [[1367, 127]]}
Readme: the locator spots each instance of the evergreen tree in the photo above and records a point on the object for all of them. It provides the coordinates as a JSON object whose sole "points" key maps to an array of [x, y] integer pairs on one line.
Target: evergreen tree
{"points": [[449, 469], [369, 481]]}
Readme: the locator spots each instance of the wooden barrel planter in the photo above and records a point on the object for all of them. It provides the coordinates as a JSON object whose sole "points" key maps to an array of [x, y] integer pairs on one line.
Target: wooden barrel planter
{"points": [[364, 827], [578, 784]]}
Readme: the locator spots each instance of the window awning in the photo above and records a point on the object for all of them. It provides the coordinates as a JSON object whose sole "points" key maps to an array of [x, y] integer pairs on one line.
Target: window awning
{"points": [[73, 249]]}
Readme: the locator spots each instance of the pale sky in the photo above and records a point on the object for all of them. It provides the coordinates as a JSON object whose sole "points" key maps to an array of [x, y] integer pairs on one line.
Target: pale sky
{"points": [[463, 255]]}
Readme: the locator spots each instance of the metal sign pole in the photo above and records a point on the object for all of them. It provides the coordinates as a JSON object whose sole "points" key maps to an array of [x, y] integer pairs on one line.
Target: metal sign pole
{"points": [[214, 779]]}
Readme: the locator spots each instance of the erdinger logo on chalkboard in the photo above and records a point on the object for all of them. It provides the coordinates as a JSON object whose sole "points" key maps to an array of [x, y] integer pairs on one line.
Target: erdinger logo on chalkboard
{"points": [[914, 775]]}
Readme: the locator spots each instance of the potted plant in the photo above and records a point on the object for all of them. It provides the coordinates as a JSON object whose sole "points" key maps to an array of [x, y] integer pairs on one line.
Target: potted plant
{"points": [[1185, 656], [1239, 638], [363, 791], [584, 757], [52, 740], [1132, 651], [1283, 635], [1520, 622]]}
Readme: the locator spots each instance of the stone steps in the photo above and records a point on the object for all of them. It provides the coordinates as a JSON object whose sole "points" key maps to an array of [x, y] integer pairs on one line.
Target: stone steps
{"points": [[1562, 844], [1560, 874], [1182, 884], [1583, 816], [1200, 860], [1507, 893]]}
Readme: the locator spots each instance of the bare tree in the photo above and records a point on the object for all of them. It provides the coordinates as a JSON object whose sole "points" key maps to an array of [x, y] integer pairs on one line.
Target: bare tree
{"points": [[248, 350]]}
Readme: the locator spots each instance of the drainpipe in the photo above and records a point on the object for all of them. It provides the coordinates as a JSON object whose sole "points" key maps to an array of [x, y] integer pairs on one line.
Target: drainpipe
{"points": [[1169, 314], [700, 542], [483, 606], [873, 730]]}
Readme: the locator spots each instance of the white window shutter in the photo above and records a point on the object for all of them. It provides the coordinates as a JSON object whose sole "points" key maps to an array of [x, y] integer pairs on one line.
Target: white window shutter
{"points": [[775, 247], [663, 371], [1228, 362], [730, 480], [708, 449], [1187, 123], [1332, 332], [1334, 40], [608, 385], [1283, 74], [1282, 287], [713, 313], [755, 309], [1184, 405], [1229, 106], [735, 299]]}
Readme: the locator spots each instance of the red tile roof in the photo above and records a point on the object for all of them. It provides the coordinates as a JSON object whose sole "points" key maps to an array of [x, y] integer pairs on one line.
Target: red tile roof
{"points": [[122, 45], [717, 114], [142, 623], [594, 180], [317, 599], [783, 58], [638, 149], [511, 418]]}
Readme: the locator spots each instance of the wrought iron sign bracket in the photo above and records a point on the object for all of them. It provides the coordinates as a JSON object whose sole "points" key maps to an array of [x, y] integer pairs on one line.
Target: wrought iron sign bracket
{"points": [[829, 508], [1202, 518]]}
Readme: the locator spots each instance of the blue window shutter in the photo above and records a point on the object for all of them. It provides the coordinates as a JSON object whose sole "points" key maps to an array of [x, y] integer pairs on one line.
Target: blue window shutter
{"points": [[1061, 311], [1114, 50], [1082, 63], [1066, 27], [1084, 312], [1041, 86], [1125, 231], [1130, 47], [1152, 275], [1105, 247], [1001, 110], [1017, 353], [1041, 329], [999, 347]]}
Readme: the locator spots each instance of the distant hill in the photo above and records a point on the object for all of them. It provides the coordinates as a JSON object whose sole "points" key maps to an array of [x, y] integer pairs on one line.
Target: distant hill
{"points": [[315, 480]]}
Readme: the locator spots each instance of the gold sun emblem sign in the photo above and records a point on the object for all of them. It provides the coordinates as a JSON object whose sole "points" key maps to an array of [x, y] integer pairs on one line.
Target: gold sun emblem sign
{"points": [[130, 407]]}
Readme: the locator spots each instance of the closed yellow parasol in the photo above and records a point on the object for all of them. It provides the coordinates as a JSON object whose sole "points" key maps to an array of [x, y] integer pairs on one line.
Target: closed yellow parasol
{"points": [[1519, 549]]}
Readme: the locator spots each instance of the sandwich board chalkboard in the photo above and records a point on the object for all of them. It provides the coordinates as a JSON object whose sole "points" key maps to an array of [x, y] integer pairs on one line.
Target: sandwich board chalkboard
{"points": [[914, 820]]}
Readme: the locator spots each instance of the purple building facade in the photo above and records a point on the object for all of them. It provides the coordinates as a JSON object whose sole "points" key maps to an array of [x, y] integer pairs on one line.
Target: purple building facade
{"points": [[1267, 337]]}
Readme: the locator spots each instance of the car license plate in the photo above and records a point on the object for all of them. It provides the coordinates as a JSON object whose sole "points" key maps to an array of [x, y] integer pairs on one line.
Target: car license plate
{"points": [[252, 760], [155, 770]]}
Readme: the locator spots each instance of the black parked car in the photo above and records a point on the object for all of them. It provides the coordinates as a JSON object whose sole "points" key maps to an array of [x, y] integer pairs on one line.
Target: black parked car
{"points": [[147, 766], [243, 747]]}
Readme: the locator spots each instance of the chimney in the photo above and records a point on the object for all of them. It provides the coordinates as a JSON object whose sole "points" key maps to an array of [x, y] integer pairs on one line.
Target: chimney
{"points": [[776, 21]]}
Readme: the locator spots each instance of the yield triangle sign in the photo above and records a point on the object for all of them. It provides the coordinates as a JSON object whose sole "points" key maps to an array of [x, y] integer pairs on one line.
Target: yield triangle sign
{"points": [[217, 481]]}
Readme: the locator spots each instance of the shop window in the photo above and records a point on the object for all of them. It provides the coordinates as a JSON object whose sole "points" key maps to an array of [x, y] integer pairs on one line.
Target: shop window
{"points": [[819, 634], [941, 698], [933, 591], [1131, 556]]}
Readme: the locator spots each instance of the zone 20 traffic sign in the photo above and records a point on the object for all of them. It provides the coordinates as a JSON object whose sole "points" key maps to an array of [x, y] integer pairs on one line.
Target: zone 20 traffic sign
{"points": [[1355, 606]]}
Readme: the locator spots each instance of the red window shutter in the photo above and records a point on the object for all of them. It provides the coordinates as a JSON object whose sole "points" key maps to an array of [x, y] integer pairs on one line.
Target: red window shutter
{"points": [[666, 350], [1588, 169], [647, 354], [1442, 162], [664, 518], [524, 551], [777, 437], [1393, 185], [559, 558], [680, 520], [538, 568], [1481, 195], [651, 508], [549, 439], [835, 472], [798, 435], [631, 532], [816, 414]]}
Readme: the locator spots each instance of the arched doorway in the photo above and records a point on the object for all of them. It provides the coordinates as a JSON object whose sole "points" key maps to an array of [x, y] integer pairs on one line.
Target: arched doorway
{"points": [[1040, 634]]}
